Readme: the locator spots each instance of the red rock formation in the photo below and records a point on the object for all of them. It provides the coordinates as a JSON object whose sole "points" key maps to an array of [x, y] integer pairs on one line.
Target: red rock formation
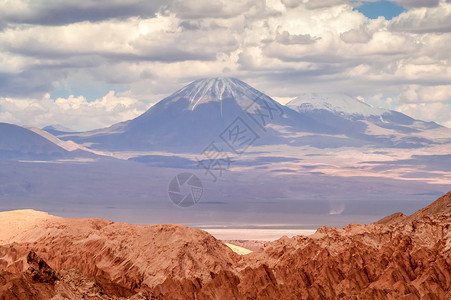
{"points": [[439, 207], [392, 219], [398, 257]]}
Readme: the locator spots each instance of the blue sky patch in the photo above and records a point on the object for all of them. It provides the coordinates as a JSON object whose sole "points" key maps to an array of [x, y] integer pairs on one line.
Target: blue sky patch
{"points": [[386, 9]]}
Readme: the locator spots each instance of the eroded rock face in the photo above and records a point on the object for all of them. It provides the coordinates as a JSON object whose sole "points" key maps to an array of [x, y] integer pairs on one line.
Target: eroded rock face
{"points": [[398, 257], [40, 270]]}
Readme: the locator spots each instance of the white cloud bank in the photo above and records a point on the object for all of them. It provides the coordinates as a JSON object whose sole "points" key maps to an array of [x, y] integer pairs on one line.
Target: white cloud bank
{"points": [[75, 113]]}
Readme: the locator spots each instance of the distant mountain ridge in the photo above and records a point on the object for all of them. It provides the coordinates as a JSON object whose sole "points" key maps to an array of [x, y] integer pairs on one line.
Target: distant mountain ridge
{"points": [[329, 106], [57, 129], [198, 113], [207, 110], [30, 143], [17, 142], [340, 104]]}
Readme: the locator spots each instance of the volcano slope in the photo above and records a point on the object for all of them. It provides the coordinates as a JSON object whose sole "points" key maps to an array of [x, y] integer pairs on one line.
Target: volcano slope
{"points": [[399, 257]]}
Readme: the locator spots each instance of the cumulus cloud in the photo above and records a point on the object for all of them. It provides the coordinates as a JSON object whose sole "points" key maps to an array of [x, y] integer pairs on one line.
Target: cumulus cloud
{"points": [[436, 112], [356, 35], [196, 9], [292, 3], [40, 56], [417, 3], [423, 20], [73, 112], [419, 94], [158, 39], [315, 4], [290, 39], [42, 12]]}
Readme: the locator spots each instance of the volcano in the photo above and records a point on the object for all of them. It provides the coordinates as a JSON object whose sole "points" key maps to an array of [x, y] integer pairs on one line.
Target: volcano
{"points": [[215, 110], [199, 114]]}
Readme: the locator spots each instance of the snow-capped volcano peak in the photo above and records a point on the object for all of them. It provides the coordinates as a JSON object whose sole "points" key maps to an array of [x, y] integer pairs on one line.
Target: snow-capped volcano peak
{"points": [[214, 90], [336, 103]]}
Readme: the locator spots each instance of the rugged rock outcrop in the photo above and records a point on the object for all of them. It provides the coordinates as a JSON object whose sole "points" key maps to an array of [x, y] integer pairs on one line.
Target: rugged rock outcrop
{"points": [[399, 257], [439, 207], [130, 255], [40, 270]]}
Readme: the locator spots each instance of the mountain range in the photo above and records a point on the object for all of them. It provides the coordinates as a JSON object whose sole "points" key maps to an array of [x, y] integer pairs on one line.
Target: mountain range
{"points": [[200, 112], [208, 109]]}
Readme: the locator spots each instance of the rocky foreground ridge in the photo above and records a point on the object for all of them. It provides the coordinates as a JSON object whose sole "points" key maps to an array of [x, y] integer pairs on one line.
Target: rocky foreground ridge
{"points": [[399, 257]]}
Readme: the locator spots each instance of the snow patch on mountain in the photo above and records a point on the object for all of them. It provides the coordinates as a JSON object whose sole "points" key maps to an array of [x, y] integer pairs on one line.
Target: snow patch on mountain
{"points": [[215, 90], [336, 103]]}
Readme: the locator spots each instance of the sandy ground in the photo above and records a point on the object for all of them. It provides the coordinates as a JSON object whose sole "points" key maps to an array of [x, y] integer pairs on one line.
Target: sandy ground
{"points": [[239, 250]]}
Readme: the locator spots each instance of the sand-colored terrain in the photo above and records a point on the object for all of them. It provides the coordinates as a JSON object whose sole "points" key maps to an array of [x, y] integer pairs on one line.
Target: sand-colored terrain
{"points": [[400, 257], [238, 249]]}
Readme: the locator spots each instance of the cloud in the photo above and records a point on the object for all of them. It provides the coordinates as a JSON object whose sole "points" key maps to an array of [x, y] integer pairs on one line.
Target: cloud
{"points": [[37, 63], [30, 82], [315, 4], [417, 3], [290, 39], [42, 12], [422, 94], [197, 9], [356, 35], [436, 112], [157, 39], [73, 112], [423, 20], [292, 3]]}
